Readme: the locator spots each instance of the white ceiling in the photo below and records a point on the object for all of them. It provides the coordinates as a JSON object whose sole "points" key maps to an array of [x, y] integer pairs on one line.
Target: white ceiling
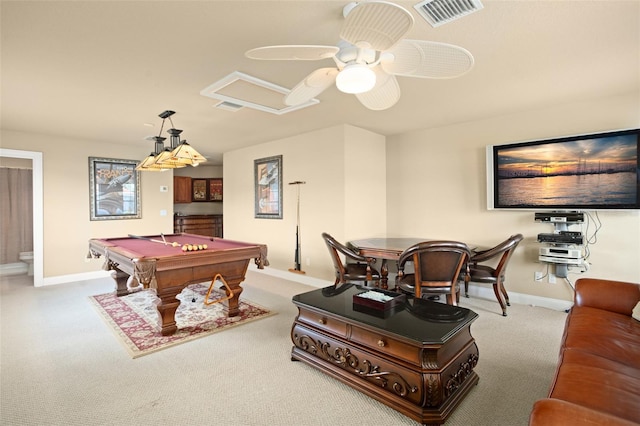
{"points": [[100, 70]]}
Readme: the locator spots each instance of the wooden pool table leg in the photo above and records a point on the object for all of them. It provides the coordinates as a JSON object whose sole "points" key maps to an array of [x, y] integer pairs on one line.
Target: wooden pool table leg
{"points": [[167, 306], [232, 305], [121, 279]]}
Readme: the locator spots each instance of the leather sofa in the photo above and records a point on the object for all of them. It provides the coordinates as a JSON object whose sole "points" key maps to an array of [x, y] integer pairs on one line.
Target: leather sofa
{"points": [[597, 380]]}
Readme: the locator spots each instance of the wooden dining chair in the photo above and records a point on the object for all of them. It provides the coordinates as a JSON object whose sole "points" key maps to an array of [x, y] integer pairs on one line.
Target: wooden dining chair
{"points": [[493, 273], [354, 268], [437, 266]]}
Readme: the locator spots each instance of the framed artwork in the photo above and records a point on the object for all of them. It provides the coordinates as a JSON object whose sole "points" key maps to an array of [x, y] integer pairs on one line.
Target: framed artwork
{"points": [[199, 188], [215, 189], [268, 187], [114, 189]]}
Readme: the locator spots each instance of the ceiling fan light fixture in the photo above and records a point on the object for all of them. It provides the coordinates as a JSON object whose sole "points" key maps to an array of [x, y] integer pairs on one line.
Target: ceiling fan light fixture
{"points": [[372, 51], [356, 78]]}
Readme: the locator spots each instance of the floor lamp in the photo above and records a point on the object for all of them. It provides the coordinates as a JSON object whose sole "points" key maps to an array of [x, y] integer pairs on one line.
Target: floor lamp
{"points": [[298, 259]]}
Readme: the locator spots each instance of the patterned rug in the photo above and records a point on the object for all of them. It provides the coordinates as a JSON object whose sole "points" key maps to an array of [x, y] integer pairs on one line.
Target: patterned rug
{"points": [[134, 318]]}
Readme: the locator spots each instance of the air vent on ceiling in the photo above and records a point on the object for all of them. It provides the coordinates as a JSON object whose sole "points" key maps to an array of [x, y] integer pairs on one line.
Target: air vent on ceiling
{"points": [[229, 106], [439, 12]]}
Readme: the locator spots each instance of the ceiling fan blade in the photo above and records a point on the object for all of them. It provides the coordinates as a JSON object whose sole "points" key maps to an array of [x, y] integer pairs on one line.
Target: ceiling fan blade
{"points": [[384, 94], [375, 24], [427, 59], [292, 52], [312, 85]]}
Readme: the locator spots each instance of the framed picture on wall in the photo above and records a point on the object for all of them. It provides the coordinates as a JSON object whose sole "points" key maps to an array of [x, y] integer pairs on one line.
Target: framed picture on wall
{"points": [[215, 189], [199, 187], [268, 187], [114, 189]]}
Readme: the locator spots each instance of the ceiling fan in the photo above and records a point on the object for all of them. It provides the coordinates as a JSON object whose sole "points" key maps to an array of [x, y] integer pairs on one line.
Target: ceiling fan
{"points": [[369, 56]]}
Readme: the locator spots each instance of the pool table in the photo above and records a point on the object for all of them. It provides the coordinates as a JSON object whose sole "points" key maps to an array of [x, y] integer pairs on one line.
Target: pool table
{"points": [[169, 269]]}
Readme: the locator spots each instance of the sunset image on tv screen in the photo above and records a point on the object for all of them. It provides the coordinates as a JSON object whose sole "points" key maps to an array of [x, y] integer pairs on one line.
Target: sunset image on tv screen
{"points": [[590, 171]]}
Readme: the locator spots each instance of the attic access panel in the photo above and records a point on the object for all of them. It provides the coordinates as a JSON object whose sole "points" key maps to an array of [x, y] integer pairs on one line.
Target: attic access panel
{"points": [[238, 90]]}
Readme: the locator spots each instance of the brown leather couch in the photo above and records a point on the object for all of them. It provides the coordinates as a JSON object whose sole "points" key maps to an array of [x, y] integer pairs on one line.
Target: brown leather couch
{"points": [[597, 381]]}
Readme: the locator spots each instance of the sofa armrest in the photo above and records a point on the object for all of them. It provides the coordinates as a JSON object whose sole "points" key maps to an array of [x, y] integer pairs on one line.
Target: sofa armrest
{"points": [[614, 296], [556, 412]]}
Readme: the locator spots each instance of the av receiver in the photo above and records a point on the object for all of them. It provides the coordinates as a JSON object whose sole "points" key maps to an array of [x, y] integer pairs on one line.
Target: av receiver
{"points": [[559, 217], [564, 255]]}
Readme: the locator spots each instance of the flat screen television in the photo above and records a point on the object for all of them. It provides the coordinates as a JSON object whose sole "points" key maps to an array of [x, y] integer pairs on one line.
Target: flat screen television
{"points": [[587, 172]]}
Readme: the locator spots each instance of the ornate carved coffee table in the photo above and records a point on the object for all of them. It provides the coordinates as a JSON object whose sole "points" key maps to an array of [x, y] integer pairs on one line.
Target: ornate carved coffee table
{"points": [[418, 357]]}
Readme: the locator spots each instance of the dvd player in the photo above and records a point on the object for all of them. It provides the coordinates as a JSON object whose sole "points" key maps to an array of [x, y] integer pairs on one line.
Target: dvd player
{"points": [[565, 252], [572, 233], [559, 217], [565, 260]]}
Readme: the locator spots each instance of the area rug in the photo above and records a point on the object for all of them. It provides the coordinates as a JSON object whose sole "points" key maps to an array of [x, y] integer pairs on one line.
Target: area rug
{"points": [[134, 318]]}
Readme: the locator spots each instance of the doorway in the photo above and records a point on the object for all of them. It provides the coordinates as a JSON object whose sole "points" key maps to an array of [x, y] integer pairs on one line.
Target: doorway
{"points": [[38, 210]]}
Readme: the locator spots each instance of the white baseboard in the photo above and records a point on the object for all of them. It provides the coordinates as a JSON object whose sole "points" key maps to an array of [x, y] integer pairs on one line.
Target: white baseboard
{"points": [[486, 292], [62, 279], [483, 292], [17, 268], [292, 276]]}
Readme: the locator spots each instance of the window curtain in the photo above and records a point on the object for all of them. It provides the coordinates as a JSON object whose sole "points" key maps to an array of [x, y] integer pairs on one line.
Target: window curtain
{"points": [[16, 213]]}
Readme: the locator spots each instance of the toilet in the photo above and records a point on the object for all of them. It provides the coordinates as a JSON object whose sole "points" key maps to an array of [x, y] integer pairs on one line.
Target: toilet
{"points": [[27, 257]]}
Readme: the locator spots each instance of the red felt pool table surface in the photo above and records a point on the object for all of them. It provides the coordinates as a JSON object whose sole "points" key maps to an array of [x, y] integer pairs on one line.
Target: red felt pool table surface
{"points": [[169, 269], [145, 248]]}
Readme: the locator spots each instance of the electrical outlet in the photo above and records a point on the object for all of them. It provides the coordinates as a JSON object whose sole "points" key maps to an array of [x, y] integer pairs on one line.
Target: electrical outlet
{"points": [[308, 261], [537, 276], [552, 278]]}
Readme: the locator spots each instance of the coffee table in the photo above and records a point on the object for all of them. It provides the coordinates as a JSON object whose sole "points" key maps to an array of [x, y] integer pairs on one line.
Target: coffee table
{"points": [[418, 357]]}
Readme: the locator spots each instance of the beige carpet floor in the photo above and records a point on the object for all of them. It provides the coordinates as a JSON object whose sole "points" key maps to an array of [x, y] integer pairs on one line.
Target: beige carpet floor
{"points": [[60, 365]]}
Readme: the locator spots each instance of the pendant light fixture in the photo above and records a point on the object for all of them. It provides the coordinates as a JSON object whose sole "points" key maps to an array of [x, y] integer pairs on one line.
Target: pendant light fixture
{"points": [[179, 154]]}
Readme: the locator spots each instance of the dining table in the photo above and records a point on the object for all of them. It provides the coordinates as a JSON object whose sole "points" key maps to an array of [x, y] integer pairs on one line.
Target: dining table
{"points": [[385, 249]]}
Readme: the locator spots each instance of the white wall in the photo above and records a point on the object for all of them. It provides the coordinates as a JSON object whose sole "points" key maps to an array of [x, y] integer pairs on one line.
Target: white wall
{"points": [[365, 185], [339, 165], [433, 186], [437, 189], [67, 227]]}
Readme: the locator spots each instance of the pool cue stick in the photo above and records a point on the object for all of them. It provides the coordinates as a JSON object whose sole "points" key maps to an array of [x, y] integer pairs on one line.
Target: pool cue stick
{"points": [[298, 254], [163, 239], [174, 244]]}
